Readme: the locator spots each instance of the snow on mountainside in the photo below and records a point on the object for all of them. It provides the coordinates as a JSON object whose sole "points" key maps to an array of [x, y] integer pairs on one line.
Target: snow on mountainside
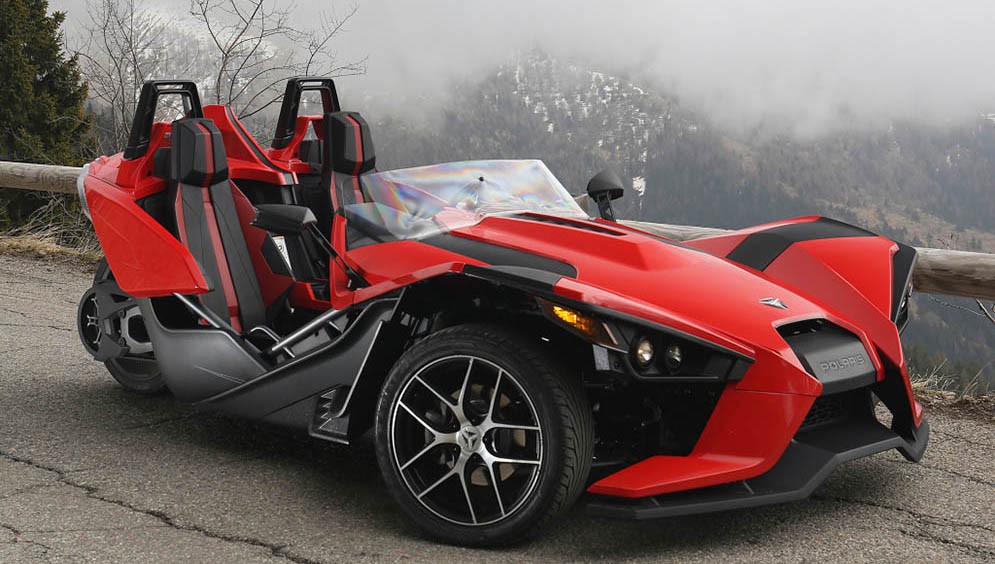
{"points": [[597, 110]]}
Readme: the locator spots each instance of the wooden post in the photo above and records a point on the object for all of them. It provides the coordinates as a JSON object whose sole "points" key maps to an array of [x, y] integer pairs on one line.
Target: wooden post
{"points": [[46, 178]]}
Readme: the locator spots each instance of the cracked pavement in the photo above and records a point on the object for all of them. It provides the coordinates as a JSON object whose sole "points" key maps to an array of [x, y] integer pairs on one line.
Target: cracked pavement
{"points": [[90, 473]]}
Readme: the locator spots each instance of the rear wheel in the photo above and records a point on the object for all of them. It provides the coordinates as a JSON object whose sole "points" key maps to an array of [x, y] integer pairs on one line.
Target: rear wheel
{"points": [[111, 328], [482, 437]]}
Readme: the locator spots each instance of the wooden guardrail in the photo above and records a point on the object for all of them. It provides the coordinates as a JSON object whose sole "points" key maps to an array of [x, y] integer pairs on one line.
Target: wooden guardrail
{"points": [[939, 271]]}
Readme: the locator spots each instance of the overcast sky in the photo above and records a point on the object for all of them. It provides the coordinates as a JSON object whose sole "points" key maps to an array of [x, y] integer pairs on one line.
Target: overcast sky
{"points": [[739, 61]]}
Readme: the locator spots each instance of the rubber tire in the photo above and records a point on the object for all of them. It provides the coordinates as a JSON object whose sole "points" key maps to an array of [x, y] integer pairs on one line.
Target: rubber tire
{"points": [[565, 418], [143, 384]]}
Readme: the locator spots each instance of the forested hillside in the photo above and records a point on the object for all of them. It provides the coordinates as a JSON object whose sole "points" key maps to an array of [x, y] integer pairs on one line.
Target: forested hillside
{"points": [[925, 185]]}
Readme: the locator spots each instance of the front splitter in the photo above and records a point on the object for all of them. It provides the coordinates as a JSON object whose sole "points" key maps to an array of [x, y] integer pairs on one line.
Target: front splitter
{"points": [[807, 462]]}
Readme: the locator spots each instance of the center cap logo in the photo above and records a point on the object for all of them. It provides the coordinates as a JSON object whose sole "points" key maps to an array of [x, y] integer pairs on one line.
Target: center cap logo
{"points": [[468, 438]]}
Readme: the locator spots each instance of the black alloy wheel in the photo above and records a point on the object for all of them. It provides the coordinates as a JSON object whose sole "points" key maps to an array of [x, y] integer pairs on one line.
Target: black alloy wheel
{"points": [[481, 436]]}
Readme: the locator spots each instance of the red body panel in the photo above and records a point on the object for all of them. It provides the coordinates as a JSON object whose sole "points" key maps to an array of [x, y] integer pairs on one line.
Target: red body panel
{"points": [[246, 159], [133, 243]]}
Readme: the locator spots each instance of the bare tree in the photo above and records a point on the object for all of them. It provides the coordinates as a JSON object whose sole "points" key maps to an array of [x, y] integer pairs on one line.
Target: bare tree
{"points": [[124, 44], [239, 52], [257, 49]]}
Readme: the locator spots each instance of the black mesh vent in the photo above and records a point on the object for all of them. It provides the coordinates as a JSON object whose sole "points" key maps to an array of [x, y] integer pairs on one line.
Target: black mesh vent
{"points": [[836, 407]]}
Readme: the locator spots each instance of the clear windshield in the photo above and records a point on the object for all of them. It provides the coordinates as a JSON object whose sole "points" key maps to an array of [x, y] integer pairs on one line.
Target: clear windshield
{"points": [[418, 202]]}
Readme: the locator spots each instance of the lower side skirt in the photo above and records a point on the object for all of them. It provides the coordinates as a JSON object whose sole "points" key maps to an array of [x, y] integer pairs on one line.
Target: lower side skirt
{"points": [[808, 460]]}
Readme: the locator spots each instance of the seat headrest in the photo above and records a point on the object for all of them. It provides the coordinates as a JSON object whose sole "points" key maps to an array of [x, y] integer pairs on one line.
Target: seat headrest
{"points": [[348, 145], [198, 153]]}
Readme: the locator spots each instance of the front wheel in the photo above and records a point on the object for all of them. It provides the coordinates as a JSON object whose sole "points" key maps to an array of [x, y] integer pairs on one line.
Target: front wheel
{"points": [[482, 436]]}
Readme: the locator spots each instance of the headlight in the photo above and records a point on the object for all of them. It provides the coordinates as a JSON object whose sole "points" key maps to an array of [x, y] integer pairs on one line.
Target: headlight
{"points": [[82, 191], [673, 358], [644, 352]]}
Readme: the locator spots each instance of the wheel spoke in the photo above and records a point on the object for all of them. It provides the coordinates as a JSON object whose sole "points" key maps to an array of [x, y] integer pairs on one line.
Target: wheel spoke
{"points": [[466, 492], [462, 393], [511, 427], [420, 453], [494, 395], [497, 491], [435, 484], [515, 461], [441, 397], [419, 419], [491, 458]]}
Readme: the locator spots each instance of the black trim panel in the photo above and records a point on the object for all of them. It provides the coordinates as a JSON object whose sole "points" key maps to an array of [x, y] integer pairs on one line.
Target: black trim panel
{"points": [[335, 363], [497, 255], [760, 249], [518, 276]]}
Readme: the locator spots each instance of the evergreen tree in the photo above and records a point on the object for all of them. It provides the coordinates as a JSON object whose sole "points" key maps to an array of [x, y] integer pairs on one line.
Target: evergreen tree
{"points": [[41, 95]]}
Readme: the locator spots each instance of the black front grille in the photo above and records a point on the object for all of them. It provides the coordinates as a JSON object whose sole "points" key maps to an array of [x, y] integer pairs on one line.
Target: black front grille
{"points": [[837, 407]]}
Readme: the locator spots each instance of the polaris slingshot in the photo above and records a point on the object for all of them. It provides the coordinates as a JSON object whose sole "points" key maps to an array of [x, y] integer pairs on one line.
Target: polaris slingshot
{"points": [[509, 351]]}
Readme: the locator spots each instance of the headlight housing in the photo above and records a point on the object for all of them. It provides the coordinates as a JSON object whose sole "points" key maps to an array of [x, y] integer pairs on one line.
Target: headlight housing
{"points": [[682, 359], [647, 351]]}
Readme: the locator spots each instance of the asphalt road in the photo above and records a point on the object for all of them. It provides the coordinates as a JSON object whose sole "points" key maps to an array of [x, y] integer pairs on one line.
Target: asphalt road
{"points": [[89, 473]]}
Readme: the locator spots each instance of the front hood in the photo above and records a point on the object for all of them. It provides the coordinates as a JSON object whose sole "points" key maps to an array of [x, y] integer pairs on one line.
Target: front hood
{"points": [[657, 279]]}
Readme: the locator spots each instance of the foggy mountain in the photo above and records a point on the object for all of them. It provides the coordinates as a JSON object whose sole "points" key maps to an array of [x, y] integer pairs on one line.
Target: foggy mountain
{"points": [[923, 184]]}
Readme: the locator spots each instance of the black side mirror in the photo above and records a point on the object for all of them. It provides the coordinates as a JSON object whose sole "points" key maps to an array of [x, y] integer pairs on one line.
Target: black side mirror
{"points": [[284, 219], [603, 188]]}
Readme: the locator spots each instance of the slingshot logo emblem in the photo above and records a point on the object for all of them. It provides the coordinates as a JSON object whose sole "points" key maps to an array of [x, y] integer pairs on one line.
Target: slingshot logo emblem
{"points": [[774, 302]]}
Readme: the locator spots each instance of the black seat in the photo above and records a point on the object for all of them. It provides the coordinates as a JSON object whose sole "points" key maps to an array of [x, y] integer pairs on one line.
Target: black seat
{"points": [[208, 223]]}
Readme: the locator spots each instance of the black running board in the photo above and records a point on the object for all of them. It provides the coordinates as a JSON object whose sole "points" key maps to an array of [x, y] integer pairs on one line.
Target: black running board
{"points": [[807, 462]]}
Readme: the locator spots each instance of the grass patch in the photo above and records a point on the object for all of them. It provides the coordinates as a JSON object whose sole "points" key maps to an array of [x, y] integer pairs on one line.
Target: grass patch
{"points": [[42, 247], [57, 231], [934, 391]]}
